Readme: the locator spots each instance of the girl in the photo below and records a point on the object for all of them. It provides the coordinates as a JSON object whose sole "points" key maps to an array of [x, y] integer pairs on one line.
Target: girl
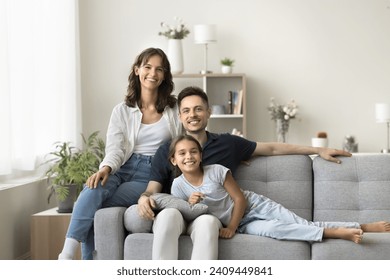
{"points": [[245, 211], [138, 126]]}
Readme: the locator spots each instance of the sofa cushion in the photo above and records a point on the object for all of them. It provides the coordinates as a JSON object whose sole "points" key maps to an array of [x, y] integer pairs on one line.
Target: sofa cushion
{"points": [[287, 180], [240, 247], [357, 190], [374, 246], [189, 212]]}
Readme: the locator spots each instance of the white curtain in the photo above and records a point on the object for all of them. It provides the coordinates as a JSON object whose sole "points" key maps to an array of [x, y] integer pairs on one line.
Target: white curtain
{"points": [[39, 84]]}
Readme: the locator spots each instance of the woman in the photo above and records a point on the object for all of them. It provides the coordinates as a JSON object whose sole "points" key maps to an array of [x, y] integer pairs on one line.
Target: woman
{"points": [[138, 126]]}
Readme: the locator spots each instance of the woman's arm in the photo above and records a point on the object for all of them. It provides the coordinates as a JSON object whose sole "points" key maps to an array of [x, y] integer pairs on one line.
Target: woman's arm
{"points": [[240, 204], [274, 148], [115, 140]]}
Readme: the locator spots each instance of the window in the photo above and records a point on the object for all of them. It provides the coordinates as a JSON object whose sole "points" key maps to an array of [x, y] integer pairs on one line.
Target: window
{"points": [[39, 84]]}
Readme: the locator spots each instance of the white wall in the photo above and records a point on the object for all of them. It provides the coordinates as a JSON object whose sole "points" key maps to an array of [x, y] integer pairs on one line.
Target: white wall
{"points": [[331, 56], [18, 203]]}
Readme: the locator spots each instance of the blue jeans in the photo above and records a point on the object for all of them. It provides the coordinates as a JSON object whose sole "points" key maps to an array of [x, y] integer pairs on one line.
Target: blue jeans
{"points": [[121, 189], [270, 219]]}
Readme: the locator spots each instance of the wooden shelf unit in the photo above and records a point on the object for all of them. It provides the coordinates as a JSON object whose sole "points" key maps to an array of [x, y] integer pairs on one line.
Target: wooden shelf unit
{"points": [[217, 87]]}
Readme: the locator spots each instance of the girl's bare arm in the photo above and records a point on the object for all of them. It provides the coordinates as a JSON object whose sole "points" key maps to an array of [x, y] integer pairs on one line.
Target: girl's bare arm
{"points": [[240, 204]]}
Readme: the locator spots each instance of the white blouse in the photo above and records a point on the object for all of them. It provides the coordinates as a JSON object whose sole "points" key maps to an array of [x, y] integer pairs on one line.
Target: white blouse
{"points": [[124, 126]]}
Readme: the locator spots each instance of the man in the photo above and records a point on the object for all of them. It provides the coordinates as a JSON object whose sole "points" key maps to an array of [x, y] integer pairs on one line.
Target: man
{"points": [[224, 149]]}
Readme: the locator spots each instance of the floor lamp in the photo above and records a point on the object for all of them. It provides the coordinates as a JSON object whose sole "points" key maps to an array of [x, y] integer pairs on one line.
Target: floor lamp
{"points": [[382, 115], [205, 34]]}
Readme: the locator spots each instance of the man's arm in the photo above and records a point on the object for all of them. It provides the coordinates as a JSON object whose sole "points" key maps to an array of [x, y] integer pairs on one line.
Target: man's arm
{"points": [[159, 174], [273, 149], [146, 203]]}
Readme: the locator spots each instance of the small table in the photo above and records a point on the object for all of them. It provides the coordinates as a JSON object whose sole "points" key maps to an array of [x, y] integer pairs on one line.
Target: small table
{"points": [[48, 230]]}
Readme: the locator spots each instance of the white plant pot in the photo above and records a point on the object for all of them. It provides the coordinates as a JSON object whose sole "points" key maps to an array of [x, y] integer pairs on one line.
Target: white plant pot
{"points": [[226, 69], [319, 142]]}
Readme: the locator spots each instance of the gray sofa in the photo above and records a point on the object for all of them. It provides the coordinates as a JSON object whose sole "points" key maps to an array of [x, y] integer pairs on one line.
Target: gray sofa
{"points": [[356, 190]]}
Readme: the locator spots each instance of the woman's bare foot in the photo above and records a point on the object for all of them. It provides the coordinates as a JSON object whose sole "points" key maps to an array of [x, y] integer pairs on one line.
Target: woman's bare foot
{"points": [[381, 226], [352, 234]]}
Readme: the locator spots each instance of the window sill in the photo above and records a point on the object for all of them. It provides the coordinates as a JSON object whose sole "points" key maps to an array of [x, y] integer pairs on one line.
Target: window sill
{"points": [[20, 182]]}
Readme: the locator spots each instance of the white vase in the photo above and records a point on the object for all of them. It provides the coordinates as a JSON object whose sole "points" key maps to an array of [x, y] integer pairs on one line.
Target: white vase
{"points": [[175, 56], [226, 69]]}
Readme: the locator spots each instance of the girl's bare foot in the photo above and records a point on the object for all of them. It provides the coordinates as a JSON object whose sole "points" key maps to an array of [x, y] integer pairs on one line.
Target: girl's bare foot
{"points": [[381, 226], [352, 234]]}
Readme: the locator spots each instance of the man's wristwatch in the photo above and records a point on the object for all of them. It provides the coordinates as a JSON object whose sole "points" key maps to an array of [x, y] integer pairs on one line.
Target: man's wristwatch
{"points": [[147, 194]]}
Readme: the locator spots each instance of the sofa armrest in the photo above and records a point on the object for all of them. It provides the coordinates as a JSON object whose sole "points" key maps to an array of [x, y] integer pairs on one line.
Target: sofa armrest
{"points": [[109, 233]]}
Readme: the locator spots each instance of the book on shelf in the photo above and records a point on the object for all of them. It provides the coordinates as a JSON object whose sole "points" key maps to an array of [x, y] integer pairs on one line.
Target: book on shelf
{"points": [[235, 102], [230, 102]]}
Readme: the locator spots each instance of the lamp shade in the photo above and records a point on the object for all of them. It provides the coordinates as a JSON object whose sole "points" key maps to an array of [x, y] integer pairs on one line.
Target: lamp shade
{"points": [[382, 112], [205, 33]]}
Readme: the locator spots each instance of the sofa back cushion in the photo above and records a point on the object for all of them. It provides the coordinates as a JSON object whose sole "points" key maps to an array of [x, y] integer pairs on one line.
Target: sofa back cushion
{"points": [[356, 190], [286, 179]]}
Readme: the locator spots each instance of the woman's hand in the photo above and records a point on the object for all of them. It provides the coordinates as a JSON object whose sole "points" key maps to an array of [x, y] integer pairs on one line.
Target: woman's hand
{"points": [[226, 233], [102, 174], [195, 197]]}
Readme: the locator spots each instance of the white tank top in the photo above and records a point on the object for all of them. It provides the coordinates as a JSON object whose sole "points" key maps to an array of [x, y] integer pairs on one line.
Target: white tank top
{"points": [[151, 136]]}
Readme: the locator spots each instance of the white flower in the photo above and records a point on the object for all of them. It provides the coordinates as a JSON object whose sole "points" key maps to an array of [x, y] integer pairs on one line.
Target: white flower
{"points": [[180, 31], [282, 112]]}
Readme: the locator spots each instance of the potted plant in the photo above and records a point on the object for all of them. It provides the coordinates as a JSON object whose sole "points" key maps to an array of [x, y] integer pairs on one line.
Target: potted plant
{"points": [[321, 140], [227, 65], [70, 167]]}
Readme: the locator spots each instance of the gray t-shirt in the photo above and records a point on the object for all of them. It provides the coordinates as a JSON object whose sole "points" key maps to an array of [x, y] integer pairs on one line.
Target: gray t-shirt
{"points": [[217, 199]]}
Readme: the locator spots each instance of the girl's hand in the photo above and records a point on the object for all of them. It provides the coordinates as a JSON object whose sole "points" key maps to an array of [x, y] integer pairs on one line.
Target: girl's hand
{"points": [[226, 233], [196, 197]]}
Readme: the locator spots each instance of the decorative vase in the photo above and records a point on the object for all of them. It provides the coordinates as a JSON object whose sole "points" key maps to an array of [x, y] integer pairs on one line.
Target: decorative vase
{"points": [[175, 55], [225, 69], [281, 130]]}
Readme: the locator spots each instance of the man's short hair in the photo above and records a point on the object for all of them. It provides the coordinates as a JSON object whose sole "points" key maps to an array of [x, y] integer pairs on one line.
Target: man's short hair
{"points": [[192, 90]]}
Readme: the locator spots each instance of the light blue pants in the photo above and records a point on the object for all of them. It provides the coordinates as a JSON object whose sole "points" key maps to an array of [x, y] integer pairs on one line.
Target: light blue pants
{"points": [[270, 219], [121, 189]]}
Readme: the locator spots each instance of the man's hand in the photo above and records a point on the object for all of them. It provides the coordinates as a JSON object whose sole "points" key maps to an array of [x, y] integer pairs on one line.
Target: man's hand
{"points": [[102, 174], [329, 154], [145, 207]]}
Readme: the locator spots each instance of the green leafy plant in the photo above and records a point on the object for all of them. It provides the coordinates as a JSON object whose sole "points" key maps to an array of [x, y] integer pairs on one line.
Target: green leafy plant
{"points": [[69, 165], [227, 61]]}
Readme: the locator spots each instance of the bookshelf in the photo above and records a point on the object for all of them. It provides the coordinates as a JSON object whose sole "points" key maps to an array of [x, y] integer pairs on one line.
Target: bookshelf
{"points": [[217, 86]]}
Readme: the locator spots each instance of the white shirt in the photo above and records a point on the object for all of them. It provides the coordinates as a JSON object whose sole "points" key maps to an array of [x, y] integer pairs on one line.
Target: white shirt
{"points": [[125, 123], [151, 136]]}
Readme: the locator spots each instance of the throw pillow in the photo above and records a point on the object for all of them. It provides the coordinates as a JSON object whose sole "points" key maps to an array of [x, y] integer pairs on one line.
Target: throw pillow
{"points": [[134, 223], [189, 212]]}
